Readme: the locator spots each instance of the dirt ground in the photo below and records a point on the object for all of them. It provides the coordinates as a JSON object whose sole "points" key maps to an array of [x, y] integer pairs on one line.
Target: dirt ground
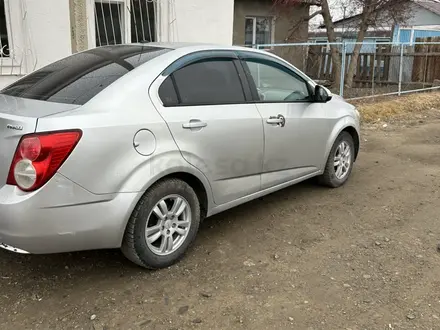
{"points": [[360, 257]]}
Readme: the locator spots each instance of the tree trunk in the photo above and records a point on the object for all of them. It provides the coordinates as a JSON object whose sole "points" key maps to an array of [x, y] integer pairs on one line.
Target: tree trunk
{"points": [[357, 49], [335, 54]]}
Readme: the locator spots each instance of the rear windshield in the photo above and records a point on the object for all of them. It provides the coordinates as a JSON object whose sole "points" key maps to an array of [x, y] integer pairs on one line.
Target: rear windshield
{"points": [[78, 78]]}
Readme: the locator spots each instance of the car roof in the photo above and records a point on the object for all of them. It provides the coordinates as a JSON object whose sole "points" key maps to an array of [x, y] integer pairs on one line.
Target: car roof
{"points": [[187, 47], [192, 46], [179, 49]]}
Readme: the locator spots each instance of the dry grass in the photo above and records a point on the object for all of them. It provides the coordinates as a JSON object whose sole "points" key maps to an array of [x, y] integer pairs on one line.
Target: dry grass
{"points": [[386, 109]]}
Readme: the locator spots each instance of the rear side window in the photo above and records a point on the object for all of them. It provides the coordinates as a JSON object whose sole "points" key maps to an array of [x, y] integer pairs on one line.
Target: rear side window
{"points": [[167, 93], [207, 82], [78, 78]]}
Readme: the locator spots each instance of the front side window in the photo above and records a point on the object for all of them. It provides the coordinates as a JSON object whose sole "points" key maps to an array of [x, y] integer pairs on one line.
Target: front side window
{"points": [[276, 83], [207, 82], [258, 31]]}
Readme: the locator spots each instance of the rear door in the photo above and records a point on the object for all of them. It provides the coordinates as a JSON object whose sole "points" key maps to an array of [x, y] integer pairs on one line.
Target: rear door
{"points": [[204, 98]]}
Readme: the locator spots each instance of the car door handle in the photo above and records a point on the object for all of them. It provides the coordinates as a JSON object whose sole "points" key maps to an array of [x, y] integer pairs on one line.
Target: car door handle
{"points": [[194, 124], [274, 121], [278, 120]]}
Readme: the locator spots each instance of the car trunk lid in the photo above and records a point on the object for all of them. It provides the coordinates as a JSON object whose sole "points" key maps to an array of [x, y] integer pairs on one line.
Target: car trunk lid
{"points": [[19, 116]]}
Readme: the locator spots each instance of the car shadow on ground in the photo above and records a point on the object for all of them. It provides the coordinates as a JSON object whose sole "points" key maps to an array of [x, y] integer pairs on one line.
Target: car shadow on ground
{"points": [[111, 263]]}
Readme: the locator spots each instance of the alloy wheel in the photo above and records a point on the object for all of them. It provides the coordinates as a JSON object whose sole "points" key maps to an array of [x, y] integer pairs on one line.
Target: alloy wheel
{"points": [[168, 225]]}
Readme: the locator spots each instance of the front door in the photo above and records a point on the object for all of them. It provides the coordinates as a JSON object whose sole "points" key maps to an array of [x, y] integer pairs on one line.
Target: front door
{"points": [[295, 129], [205, 106]]}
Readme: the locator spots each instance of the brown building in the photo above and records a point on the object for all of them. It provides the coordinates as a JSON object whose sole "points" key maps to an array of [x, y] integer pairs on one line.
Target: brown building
{"points": [[258, 22]]}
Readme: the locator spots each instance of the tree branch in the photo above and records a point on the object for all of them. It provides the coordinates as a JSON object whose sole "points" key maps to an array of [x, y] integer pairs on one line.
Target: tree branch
{"points": [[316, 13]]}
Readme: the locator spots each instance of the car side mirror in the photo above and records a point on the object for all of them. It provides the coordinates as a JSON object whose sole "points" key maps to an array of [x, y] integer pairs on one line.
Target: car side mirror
{"points": [[322, 94]]}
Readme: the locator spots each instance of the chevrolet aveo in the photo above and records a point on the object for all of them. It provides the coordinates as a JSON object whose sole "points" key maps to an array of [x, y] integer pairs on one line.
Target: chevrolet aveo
{"points": [[132, 146]]}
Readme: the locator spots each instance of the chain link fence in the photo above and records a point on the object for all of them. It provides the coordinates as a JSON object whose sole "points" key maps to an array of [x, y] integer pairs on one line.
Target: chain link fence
{"points": [[381, 68]]}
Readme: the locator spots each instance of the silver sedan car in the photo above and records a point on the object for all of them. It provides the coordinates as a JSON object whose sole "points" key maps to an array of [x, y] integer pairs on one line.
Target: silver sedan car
{"points": [[132, 146]]}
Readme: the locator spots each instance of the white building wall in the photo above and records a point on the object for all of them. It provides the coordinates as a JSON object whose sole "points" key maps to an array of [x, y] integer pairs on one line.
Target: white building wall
{"points": [[48, 24], [39, 33], [205, 21], [40, 30]]}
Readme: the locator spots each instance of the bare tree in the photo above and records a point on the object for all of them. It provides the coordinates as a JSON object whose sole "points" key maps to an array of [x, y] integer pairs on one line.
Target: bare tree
{"points": [[323, 9], [374, 14]]}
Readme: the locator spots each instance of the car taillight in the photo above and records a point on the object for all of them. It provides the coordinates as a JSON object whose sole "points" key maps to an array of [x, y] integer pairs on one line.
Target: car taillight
{"points": [[39, 156]]}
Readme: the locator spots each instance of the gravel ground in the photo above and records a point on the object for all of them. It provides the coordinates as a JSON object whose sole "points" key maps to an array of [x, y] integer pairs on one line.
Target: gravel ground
{"points": [[360, 257]]}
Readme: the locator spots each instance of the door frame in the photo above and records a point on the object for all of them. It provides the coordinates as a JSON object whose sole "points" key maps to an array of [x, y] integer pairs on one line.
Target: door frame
{"points": [[203, 55]]}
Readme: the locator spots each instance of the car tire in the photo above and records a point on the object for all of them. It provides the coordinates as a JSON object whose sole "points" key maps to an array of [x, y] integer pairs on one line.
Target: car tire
{"points": [[331, 177], [137, 244]]}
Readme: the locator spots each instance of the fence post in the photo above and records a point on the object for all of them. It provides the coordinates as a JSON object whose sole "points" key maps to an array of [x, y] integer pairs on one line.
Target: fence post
{"points": [[374, 70], [342, 82], [401, 69]]}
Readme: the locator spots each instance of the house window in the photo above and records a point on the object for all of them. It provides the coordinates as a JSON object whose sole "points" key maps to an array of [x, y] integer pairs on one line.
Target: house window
{"points": [[4, 40], [113, 26], [109, 23], [258, 31], [143, 28]]}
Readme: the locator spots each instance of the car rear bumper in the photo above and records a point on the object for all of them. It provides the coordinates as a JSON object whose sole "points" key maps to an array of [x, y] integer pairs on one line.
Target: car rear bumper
{"points": [[62, 217], [12, 249]]}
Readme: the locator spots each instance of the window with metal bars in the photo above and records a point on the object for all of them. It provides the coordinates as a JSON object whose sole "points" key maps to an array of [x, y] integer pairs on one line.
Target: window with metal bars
{"points": [[4, 40], [113, 25], [143, 28]]}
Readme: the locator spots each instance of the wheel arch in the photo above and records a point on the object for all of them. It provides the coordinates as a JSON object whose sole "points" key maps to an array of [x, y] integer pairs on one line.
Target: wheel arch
{"points": [[197, 185], [356, 139], [195, 179], [346, 124]]}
